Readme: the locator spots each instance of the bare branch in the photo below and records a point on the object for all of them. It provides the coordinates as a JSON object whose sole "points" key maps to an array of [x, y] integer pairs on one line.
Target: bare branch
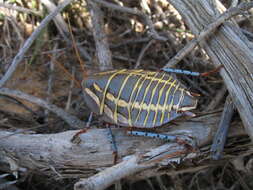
{"points": [[20, 9], [154, 34], [19, 57], [102, 47], [228, 47], [71, 120], [233, 11], [94, 153]]}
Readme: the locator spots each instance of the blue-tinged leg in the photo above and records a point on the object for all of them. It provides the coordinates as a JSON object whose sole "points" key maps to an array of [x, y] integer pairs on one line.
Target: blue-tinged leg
{"points": [[187, 72], [153, 135], [180, 139], [180, 71], [113, 143]]}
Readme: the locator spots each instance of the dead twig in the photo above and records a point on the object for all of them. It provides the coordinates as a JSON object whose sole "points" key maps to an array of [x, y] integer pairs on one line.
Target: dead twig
{"points": [[19, 57], [50, 79], [132, 165], [70, 119], [222, 132], [228, 47], [146, 19], [102, 47], [217, 98], [58, 19], [144, 49], [20, 9], [233, 11], [63, 28]]}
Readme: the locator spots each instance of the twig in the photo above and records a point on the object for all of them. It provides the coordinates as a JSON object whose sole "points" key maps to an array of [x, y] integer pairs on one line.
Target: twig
{"points": [[70, 90], [154, 34], [71, 120], [20, 9], [207, 32], [130, 41], [19, 103], [63, 28], [102, 46], [132, 165], [58, 19], [221, 134], [142, 53], [217, 99], [50, 79], [19, 57]]}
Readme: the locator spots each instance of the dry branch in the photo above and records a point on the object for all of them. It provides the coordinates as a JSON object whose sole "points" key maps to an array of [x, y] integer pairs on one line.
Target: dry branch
{"points": [[93, 154], [19, 57], [208, 31], [58, 20], [153, 32], [228, 47], [102, 47], [21, 9], [70, 119]]}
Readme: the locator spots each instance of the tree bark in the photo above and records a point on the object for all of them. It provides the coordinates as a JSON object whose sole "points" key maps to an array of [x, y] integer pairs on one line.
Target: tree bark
{"points": [[228, 47], [44, 152]]}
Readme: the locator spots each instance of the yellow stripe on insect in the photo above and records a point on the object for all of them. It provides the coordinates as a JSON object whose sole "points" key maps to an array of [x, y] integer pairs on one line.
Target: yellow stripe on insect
{"points": [[106, 87], [151, 99], [136, 105], [180, 100], [124, 72], [139, 89], [166, 99], [92, 95], [144, 96], [121, 103], [130, 103], [97, 88], [110, 96], [117, 99], [159, 99], [108, 112], [172, 100]]}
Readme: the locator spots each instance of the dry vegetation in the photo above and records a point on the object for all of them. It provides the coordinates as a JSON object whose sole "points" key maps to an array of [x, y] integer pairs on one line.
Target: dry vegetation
{"points": [[52, 70]]}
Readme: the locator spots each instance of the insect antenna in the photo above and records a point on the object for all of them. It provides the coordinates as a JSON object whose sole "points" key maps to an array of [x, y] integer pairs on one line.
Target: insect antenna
{"points": [[77, 83], [80, 61]]}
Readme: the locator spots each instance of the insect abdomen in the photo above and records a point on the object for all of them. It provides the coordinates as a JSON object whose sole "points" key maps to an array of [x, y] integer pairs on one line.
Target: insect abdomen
{"points": [[134, 97]]}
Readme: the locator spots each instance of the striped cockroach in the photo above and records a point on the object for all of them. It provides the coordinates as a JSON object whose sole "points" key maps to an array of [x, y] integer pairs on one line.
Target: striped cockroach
{"points": [[137, 98]]}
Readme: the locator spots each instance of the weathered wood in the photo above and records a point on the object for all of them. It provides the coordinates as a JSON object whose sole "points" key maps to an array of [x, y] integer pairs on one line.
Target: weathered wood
{"points": [[229, 47], [222, 132], [93, 154], [102, 47]]}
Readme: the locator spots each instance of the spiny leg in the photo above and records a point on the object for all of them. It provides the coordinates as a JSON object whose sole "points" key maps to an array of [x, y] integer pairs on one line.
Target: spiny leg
{"points": [[153, 135], [187, 72], [76, 139], [179, 139], [113, 143]]}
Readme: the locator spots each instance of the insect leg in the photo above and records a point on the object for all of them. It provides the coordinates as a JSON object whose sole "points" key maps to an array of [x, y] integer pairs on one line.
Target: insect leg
{"points": [[171, 138], [76, 139], [187, 72], [179, 139], [180, 71], [113, 143]]}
